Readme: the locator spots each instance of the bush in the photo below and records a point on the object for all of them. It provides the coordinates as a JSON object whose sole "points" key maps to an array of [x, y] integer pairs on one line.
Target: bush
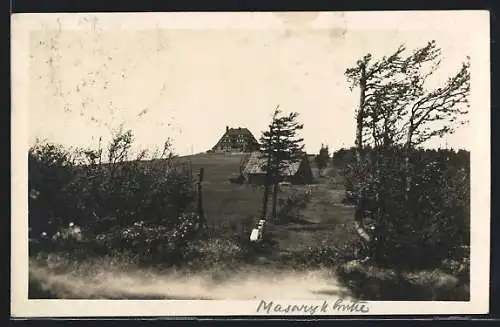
{"points": [[75, 186], [291, 206], [324, 256], [356, 176], [155, 240], [127, 192], [50, 170], [370, 282], [213, 252], [342, 156], [427, 226]]}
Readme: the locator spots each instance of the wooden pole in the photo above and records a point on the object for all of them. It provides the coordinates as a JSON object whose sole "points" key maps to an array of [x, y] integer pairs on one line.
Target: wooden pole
{"points": [[361, 113], [200, 199]]}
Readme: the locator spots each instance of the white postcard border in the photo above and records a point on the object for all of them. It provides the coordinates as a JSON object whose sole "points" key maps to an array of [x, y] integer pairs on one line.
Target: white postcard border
{"points": [[22, 24]]}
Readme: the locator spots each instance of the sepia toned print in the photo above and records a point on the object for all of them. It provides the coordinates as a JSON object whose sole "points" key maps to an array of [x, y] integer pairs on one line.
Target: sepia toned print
{"points": [[253, 164]]}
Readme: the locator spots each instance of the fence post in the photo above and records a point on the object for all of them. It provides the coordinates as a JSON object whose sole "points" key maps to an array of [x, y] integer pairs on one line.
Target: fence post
{"points": [[200, 199]]}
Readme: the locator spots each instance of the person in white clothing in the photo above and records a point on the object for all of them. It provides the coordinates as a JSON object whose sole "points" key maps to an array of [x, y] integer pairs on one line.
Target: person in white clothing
{"points": [[257, 233]]}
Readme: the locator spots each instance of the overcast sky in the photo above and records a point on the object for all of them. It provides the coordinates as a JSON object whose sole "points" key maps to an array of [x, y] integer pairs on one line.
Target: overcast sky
{"points": [[187, 77]]}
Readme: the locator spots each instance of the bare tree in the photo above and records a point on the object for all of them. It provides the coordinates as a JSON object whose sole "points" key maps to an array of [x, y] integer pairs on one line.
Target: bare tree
{"points": [[387, 88], [396, 109], [368, 74], [119, 146]]}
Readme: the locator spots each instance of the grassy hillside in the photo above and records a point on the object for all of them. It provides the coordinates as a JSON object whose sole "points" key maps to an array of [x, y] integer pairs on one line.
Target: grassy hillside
{"points": [[324, 221]]}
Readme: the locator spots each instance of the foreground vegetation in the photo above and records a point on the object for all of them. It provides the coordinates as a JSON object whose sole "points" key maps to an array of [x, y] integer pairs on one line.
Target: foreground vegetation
{"points": [[317, 233]]}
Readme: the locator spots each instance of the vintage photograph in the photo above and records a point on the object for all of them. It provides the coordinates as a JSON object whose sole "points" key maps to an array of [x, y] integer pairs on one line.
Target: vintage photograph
{"points": [[299, 156]]}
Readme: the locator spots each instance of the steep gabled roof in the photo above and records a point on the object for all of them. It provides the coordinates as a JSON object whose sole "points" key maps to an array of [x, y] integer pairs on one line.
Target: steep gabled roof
{"points": [[234, 132], [255, 165]]}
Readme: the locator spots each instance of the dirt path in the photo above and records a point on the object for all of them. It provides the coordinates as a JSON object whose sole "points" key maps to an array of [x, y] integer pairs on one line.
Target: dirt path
{"points": [[245, 284]]}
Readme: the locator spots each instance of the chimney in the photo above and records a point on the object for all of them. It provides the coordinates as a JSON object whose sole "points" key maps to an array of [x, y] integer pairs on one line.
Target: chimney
{"points": [[227, 128]]}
